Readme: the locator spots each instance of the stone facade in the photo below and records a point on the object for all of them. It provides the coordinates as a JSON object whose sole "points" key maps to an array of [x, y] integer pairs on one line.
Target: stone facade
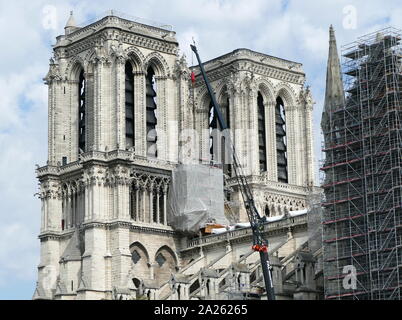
{"points": [[104, 231]]}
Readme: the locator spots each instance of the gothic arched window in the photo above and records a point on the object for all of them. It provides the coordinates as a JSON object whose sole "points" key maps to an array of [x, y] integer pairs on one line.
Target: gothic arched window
{"points": [[225, 140], [213, 125], [151, 116], [219, 151], [262, 143], [133, 204], [155, 213], [81, 111], [129, 101], [267, 212], [161, 208], [281, 148]]}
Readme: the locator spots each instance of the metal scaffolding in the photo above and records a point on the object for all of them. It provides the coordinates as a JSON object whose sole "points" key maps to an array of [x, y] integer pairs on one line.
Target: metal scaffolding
{"points": [[363, 173]]}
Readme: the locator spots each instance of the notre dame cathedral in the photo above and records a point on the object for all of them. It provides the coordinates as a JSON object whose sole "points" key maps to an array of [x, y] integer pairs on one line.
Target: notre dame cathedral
{"points": [[122, 108]]}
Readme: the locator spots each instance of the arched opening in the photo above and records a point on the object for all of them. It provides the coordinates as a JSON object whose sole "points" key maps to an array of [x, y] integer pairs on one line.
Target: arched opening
{"points": [[74, 204], [262, 142], [281, 145], [194, 286], [134, 202], [155, 203], [151, 113], [81, 112], [267, 212], [137, 283], [129, 102], [162, 207], [165, 264], [213, 125], [219, 140], [64, 208], [225, 139], [147, 199], [140, 260]]}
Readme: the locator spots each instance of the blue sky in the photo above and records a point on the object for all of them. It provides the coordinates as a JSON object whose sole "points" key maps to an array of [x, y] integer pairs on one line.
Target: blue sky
{"points": [[292, 29]]}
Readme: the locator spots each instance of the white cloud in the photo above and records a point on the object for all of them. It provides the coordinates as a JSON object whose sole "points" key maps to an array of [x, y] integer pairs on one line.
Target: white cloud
{"points": [[299, 32]]}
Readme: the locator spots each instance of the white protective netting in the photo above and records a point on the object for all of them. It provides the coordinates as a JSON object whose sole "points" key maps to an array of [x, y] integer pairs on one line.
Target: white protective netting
{"points": [[196, 197]]}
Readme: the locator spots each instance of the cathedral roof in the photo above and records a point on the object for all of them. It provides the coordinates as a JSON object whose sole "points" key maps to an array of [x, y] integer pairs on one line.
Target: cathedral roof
{"points": [[181, 278], [254, 57], [210, 273], [305, 256], [151, 284], [240, 267]]}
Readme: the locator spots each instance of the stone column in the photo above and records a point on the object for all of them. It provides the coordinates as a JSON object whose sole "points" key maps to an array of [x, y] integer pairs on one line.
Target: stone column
{"points": [[73, 207], [44, 214], [52, 156], [120, 104], [276, 274], [157, 207], [97, 103], [183, 111], [71, 119], [291, 139], [140, 114], [69, 210], [82, 204], [309, 145], [141, 204], [253, 144], [137, 203], [90, 111], [203, 133], [270, 131], [63, 206], [53, 212], [298, 147], [104, 199], [238, 127], [165, 222], [90, 189], [243, 133], [152, 267], [102, 103], [86, 202], [96, 199], [122, 199], [162, 116], [151, 207]]}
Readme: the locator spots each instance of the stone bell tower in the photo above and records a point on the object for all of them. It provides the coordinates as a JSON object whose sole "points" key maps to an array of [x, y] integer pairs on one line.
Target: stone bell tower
{"points": [[115, 90], [268, 110]]}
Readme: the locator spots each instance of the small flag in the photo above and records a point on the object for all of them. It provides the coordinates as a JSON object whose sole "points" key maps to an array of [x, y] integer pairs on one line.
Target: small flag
{"points": [[192, 77]]}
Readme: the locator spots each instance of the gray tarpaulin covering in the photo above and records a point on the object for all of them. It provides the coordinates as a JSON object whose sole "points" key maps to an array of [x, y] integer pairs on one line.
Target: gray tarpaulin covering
{"points": [[196, 197]]}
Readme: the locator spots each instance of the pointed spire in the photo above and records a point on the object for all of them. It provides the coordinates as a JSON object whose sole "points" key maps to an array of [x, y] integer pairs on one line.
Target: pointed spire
{"points": [[334, 94], [332, 34], [71, 24], [71, 21]]}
